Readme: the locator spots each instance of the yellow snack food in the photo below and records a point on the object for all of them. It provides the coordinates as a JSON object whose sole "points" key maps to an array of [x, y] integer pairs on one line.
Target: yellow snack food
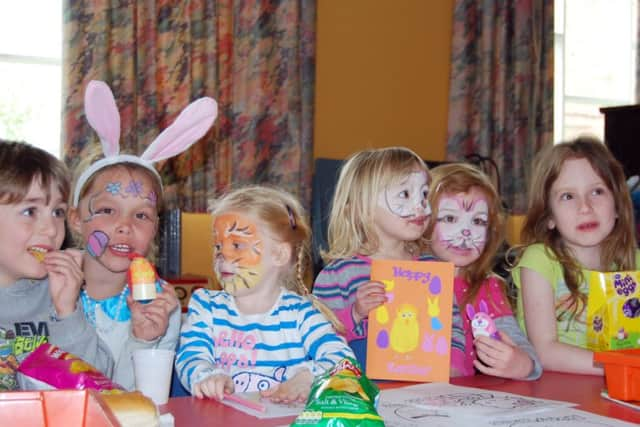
{"points": [[37, 253]]}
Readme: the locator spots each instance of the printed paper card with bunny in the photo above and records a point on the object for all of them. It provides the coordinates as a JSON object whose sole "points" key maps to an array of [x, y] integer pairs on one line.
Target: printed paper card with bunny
{"points": [[410, 335]]}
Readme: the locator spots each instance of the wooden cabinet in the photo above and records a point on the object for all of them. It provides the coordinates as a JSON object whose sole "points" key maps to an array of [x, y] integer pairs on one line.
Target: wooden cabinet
{"points": [[622, 135]]}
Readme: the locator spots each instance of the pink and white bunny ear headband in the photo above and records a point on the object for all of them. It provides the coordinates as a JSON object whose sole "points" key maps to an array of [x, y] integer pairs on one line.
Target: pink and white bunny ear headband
{"points": [[103, 116]]}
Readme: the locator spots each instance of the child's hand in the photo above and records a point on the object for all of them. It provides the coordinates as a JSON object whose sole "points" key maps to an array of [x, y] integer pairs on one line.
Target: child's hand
{"points": [[370, 295], [214, 386], [150, 321], [294, 390], [65, 279], [502, 358]]}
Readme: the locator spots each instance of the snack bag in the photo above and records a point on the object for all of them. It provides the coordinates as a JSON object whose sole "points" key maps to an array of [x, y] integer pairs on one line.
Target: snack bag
{"points": [[613, 310], [8, 361], [343, 397], [142, 279], [50, 367]]}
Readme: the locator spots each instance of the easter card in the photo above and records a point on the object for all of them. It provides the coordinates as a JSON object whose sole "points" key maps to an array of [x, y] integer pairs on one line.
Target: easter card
{"points": [[409, 337]]}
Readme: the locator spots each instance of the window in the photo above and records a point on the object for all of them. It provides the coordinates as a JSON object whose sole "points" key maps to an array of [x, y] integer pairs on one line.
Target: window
{"points": [[30, 72], [595, 63]]}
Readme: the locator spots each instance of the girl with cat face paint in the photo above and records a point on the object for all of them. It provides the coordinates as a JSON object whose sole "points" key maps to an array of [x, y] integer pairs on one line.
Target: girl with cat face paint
{"points": [[467, 229], [380, 210]]}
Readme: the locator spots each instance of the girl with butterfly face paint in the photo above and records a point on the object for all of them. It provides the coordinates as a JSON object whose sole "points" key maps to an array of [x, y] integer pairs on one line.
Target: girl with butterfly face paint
{"points": [[263, 331], [466, 230], [380, 210]]}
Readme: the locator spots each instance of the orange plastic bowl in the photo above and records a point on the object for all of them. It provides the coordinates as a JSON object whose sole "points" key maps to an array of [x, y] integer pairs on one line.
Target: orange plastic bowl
{"points": [[622, 373], [56, 408]]}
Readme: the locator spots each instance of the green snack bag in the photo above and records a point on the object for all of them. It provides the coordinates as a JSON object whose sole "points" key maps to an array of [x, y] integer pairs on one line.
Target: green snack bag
{"points": [[343, 397], [8, 361]]}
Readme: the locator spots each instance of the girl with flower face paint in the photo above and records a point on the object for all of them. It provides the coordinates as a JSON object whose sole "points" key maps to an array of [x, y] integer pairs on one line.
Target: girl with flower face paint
{"points": [[380, 210], [263, 331], [466, 230], [115, 205], [117, 216]]}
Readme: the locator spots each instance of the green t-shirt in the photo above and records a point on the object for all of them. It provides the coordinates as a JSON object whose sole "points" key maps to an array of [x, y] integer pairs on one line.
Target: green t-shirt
{"points": [[571, 330]]}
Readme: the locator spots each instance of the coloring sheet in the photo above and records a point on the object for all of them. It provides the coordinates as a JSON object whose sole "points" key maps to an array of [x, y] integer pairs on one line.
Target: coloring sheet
{"points": [[271, 410], [410, 335], [560, 417], [464, 406], [407, 416], [446, 399], [402, 414]]}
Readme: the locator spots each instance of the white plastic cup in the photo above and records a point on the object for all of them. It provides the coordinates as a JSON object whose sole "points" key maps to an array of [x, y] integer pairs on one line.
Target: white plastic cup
{"points": [[152, 369]]}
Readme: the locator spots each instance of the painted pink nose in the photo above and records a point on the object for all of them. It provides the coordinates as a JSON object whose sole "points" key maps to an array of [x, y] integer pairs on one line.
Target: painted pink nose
{"points": [[466, 233]]}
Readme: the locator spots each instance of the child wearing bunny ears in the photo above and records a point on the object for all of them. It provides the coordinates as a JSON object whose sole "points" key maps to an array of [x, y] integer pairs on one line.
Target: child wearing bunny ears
{"points": [[467, 229], [115, 205]]}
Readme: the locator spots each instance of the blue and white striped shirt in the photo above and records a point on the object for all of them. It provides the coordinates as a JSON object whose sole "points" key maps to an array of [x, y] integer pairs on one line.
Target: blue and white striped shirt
{"points": [[259, 350]]}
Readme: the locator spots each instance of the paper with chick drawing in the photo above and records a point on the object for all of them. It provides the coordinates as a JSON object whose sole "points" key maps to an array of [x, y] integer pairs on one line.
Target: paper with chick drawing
{"points": [[409, 337]]}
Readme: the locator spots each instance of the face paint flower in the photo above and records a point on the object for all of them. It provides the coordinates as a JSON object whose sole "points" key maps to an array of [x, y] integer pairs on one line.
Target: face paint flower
{"points": [[407, 197], [237, 252], [113, 188], [153, 198], [134, 188]]}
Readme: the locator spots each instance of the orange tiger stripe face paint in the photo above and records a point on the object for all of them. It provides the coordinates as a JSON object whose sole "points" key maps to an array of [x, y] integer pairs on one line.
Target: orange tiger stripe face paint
{"points": [[237, 252]]}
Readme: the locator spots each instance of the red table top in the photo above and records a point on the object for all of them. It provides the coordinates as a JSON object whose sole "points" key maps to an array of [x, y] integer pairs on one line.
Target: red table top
{"points": [[581, 389]]}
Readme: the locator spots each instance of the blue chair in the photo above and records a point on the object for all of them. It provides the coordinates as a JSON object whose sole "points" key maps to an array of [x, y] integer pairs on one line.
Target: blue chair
{"points": [[177, 390], [359, 348]]}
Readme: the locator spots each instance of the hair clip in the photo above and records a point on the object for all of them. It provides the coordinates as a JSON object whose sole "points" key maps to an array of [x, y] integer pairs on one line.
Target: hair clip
{"points": [[292, 218]]}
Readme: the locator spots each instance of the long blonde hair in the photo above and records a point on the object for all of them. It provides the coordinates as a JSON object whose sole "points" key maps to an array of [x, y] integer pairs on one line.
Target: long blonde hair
{"points": [[618, 249], [285, 219], [460, 178], [364, 175]]}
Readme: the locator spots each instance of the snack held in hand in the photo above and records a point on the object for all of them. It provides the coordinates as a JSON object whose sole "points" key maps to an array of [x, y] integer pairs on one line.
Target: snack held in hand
{"points": [[142, 279], [37, 252], [343, 397]]}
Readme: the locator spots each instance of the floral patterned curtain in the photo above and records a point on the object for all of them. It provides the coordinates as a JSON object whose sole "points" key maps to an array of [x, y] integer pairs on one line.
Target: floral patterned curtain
{"points": [[256, 58], [501, 89]]}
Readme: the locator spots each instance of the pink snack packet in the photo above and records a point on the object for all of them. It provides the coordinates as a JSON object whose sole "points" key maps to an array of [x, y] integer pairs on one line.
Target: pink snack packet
{"points": [[58, 369]]}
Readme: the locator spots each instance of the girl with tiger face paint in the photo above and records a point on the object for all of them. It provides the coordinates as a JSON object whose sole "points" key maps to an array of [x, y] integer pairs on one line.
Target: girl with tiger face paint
{"points": [[262, 332], [238, 251]]}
